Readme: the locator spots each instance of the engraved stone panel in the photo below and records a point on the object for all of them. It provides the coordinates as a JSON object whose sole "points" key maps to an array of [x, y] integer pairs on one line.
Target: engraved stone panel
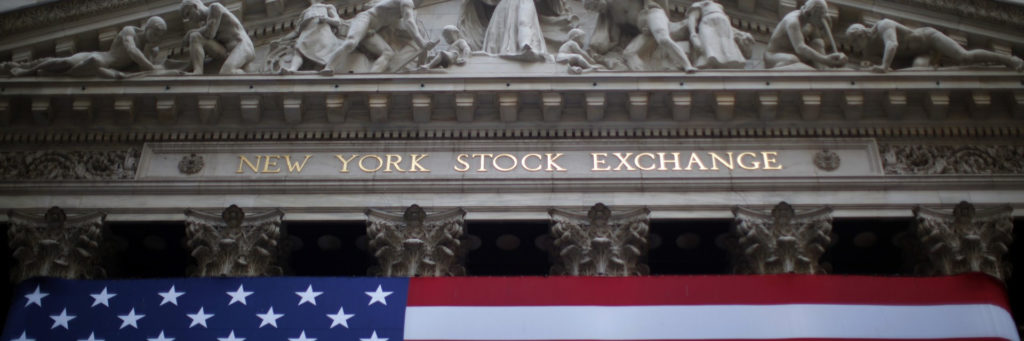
{"points": [[952, 159], [69, 164]]}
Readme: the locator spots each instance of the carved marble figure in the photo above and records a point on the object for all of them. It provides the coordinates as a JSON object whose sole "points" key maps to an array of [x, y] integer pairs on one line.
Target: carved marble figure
{"points": [[457, 52], [366, 29], [572, 53], [134, 49], [713, 40], [220, 35], [800, 39], [515, 29], [888, 42], [617, 19], [312, 41]]}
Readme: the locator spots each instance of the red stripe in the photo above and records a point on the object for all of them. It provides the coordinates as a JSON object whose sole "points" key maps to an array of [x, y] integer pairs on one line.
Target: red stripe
{"points": [[705, 290], [800, 339]]}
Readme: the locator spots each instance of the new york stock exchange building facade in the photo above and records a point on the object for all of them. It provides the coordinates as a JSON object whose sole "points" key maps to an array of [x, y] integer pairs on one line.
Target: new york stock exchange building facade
{"points": [[824, 142]]}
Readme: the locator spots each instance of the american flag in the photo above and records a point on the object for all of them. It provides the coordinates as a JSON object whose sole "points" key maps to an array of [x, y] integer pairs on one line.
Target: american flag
{"points": [[793, 307]]}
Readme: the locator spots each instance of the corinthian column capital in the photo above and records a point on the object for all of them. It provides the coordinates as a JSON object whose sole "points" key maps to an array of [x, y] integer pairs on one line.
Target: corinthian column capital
{"points": [[782, 241], [56, 245], [599, 243], [965, 241], [415, 243], [234, 244]]}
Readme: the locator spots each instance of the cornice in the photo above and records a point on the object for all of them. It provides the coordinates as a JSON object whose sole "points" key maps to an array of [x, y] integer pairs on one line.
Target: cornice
{"points": [[60, 12]]}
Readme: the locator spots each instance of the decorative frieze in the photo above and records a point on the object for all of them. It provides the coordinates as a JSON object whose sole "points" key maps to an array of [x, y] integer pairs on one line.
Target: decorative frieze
{"points": [[782, 241], [55, 245], [952, 159], [965, 241], [69, 164], [599, 243], [415, 243], [233, 244]]}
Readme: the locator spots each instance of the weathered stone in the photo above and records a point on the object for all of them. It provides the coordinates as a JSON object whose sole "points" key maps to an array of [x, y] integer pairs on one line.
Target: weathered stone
{"points": [[55, 245], [599, 243], [782, 241], [233, 244], [415, 243]]}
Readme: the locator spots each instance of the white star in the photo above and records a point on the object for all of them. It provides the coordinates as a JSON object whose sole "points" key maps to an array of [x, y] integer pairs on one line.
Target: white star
{"points": [[269, 318], [161, 337], [199, 317], [375, 338], [102, 298], [302, 337], [23, 337], [308, 296], [130, 320], [230, 337], [92, 337], [36, 297], [170, 296], [62, 319], [238, 295], [378, 296], [340, 319]]}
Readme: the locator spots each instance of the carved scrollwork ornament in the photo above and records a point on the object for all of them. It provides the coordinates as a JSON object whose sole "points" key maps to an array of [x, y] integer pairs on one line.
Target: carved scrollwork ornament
{"points": [[965, 241], [902, 159], [416, 243], [191, 164], [827, 160], [782, 241], [56, 245], [599, 243], [234, 244]]}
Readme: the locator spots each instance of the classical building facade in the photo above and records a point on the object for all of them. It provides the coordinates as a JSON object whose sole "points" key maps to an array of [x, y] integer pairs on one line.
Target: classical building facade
{"points": [[403, 137]]}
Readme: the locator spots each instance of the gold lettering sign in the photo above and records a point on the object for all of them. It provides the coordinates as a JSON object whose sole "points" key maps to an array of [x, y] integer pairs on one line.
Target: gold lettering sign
{"points": [[531, 162]]}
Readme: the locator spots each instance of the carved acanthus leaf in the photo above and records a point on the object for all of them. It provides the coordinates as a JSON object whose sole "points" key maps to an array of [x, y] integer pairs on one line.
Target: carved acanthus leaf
{"points": [[55, 245], [950, 159], [233, 244], [782, 241], [417, 244], [69, 164], [599, 243], [965, 241]]}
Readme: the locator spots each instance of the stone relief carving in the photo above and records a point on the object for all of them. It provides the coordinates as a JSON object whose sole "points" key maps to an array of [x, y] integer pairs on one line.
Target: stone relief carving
{"points": [[56, 245], [234, 244], [69, 164], [947, 159], [799, 40], [782, 241], [715, 42], [515, 29], [599, 243], [456, 54], [216, 33], [965, 241], [826, 160], [888, 43], [654, 48], [308, 48], [191, 164], [415, 243], [378, 29], [132, 53]]}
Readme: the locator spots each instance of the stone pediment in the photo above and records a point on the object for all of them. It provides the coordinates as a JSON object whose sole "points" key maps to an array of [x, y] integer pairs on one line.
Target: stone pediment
{"points": [[64, 27]]}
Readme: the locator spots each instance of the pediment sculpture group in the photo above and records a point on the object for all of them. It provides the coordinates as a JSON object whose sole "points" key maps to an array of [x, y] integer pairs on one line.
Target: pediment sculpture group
{"points": [[629, 35]]}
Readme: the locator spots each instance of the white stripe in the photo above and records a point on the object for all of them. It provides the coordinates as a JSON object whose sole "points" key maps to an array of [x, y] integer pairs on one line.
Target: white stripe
{"points": [[708, 322]]}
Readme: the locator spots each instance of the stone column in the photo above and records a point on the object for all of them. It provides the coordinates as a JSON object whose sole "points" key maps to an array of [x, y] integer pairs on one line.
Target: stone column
{"points": [[55, 245], [965, 241], [233, 244], [415, 243], [782, 241], [599, 243]]}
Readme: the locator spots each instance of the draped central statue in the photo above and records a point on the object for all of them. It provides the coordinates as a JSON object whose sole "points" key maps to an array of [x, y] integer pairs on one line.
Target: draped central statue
{"points": [[515, 29]]}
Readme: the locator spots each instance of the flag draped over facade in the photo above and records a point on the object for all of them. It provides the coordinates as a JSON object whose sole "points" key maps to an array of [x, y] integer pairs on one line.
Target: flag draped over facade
{"points": [[795, 307]]}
